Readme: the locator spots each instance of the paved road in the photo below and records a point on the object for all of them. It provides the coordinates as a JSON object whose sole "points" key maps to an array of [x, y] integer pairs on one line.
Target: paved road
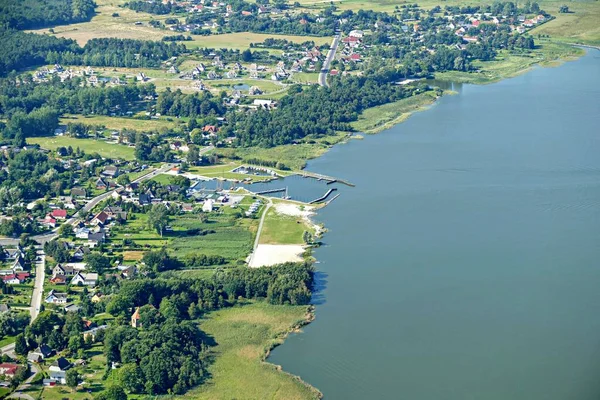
{"points": [[258, 232], [9, 350], [328, 60], [38, 287]]}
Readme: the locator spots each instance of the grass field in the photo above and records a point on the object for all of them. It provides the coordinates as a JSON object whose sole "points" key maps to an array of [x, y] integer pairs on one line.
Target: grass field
{"points": [[242, 40], [378, 118], [243, 335], [224, 171], [89, 146], [232, 237], [293, 156], [282, 229], [118, 123]]}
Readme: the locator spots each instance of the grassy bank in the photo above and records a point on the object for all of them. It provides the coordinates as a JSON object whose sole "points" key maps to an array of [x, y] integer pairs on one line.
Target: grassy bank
{"points": [[90, 146], [244, 335], [376, 119], [508, 65], [283, 229]]}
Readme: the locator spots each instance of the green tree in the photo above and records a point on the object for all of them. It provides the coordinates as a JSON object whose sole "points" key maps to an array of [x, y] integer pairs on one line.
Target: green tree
{"points": [[21, 345], [113, 393], [65, 230], [72, 378], [132, 378], [97, 262], [159, 218]]}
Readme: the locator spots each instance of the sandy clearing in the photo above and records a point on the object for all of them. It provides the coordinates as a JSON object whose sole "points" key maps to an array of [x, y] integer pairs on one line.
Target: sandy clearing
{"points": [[304, 212], [271, 254]]}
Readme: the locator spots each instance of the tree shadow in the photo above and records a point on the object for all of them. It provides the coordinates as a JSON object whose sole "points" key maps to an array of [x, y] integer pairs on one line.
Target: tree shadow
{"points": [[318, 289]]}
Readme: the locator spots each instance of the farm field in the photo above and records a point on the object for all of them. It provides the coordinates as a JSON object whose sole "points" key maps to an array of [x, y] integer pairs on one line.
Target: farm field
{"points": [[89, 146], [243, 336]]}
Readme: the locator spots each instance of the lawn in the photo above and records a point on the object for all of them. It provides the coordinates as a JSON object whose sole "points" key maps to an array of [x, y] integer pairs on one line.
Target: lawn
{"points": [[244, 334], [224, 171], [118, 123], [282, 229], [378, 118], [90, 146]]}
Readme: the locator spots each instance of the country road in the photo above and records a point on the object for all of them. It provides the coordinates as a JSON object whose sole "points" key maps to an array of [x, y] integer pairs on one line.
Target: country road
{"points": [[328, 60], [38, 287]]}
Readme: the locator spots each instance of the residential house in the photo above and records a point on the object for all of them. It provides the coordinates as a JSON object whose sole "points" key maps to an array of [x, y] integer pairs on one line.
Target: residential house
{"points": [[111, 171], [100, 219], [15, 279], [78, 192], [56, 298], [59, 214], [80, 252], [66, 270], [82, 233], [135, 318], [208, 205], [97, 298], [72, 308], [58, 370], [9, 369], [4, 308], [48, 222], [101, 184], [85, 278], [58, 280], [94, 331], [115, 213]]}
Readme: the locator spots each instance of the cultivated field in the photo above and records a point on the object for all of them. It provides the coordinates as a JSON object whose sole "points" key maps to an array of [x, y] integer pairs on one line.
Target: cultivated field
{"points": [[118, 123]]}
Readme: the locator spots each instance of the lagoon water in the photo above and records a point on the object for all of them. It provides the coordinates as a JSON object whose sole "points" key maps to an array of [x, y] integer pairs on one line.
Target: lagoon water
{"points": [[466, 262]]}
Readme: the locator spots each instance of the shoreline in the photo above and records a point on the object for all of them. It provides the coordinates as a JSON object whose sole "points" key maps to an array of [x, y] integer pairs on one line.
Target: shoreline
{"points": [[278, 341], [311, 311]]}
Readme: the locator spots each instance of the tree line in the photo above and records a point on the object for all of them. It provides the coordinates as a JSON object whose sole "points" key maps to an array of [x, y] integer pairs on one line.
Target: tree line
{"points": [[31, 14]]}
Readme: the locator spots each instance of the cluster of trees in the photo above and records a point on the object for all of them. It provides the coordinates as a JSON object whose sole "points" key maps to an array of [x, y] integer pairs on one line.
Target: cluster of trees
{"points": [[30, 14], [21, 50], [283, 44], [58, 332], [34, 174], [153, 7], [202, 260], [12, 323], [195, 105], [284, 284], [113, 52], [164, 355], [324, 110]]}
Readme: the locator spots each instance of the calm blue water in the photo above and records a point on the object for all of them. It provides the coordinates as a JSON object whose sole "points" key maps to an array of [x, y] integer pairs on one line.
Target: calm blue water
{"points": [[466, 262]]}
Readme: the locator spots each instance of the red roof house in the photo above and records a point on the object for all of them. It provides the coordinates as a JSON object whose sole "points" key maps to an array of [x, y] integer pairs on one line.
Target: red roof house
{"points": [[58, 213], [8, 369]]}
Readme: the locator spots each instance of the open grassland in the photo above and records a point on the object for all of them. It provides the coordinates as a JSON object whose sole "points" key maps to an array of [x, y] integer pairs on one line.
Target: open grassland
{"points": [[103, 24], [89, 146], [118, 123], [509, 64], [243, 335], [224, 171], [378, 118], [283, 229], [293, 156], [242, 40], [264, 85]]}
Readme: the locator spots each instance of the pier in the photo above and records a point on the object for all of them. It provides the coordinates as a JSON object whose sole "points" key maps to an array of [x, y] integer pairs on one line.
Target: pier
{"points": [[272, 191], [326, 195], [321, 177]]}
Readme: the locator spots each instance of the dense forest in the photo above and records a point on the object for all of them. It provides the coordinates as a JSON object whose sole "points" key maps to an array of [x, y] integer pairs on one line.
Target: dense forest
{"points": [[31, 14], [23, 50]]}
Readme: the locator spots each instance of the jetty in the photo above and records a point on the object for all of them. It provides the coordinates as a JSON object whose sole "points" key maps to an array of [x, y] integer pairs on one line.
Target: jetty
{"points": [[321, 177], [326, 195], [272, 191]]}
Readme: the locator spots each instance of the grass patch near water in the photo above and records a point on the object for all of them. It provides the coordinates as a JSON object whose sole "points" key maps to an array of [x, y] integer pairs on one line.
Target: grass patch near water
{"points": [[243, 336]]}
